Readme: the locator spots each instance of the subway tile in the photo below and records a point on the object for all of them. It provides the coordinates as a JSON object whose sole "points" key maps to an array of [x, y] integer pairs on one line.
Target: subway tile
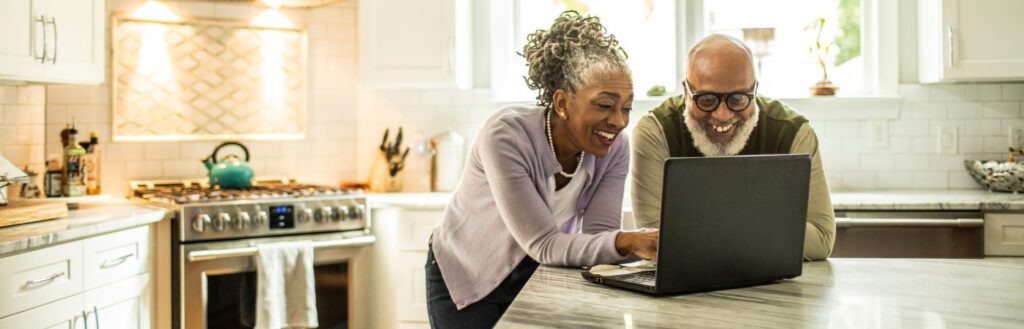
{"points": [[876, 162], [19, 155], [32, 94], [982, 127], [952, 92], [57, 113], [925, 145], [964, 110], [996, 144], [860, 179], [895, 179], [9, 95], [195, 151], [1002, 109], [929, 110], [143, 169], [931, 180], [911, 162], [1013, 91], [844, 128], [840, 162], [125, 151], [970, 144], [962, 180], [177, 168], [9, 134], [990, 91], [66, 94], [24, 114], [906, 127], [942, 162], [914, 92], [160, 151]]}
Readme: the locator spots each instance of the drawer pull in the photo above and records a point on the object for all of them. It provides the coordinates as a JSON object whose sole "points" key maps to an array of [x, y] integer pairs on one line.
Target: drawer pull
{"points": [[45, 280], [115, 261]]}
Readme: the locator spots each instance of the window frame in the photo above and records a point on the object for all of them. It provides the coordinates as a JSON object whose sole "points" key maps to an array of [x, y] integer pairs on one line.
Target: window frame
{"points": [[879, 48]]}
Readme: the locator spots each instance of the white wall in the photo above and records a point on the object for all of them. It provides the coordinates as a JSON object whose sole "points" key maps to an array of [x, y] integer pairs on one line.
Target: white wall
{"points": [[327, 156]]}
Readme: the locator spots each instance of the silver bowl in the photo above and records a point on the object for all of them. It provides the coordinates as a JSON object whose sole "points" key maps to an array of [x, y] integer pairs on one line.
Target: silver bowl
{"points": [[999, 176]]}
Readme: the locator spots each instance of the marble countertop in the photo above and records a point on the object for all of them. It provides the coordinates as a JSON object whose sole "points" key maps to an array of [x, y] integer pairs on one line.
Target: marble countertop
{"points": [[93, 218], [838, 293], [841, 200]]}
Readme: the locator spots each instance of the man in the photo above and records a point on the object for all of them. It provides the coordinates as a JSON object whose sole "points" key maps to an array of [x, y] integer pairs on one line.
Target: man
{"points": [[721, 114]]}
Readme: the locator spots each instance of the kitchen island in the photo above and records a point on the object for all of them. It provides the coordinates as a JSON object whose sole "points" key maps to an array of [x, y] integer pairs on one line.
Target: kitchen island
{"points": [[838, 293]]}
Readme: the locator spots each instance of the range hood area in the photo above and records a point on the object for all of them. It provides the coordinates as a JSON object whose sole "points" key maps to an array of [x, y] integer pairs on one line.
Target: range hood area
{"points": [[274, 3]]}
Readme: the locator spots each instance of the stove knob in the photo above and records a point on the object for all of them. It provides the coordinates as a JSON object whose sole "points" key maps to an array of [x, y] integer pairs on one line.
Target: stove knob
{"points": [[356, 213], [223, 221], [261, 218], [324, 214], [200, 223], [341, 214], [306, 215], [243, 220]]}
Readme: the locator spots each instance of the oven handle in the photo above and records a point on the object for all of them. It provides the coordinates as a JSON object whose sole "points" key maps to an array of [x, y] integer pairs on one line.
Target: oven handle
{"points": [[205, 255], [909, 222]]}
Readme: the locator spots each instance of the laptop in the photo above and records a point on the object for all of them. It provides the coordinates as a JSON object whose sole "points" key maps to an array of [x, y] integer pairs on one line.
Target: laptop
{"points": [[726, 222]]}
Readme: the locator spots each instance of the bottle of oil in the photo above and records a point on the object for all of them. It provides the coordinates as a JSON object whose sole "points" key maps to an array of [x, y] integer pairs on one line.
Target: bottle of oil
{"points": [[73, 180], [91, 164]]}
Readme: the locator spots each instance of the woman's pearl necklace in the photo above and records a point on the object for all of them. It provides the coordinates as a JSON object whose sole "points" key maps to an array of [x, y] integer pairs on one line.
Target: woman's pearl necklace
{"points": [[551, 142]]}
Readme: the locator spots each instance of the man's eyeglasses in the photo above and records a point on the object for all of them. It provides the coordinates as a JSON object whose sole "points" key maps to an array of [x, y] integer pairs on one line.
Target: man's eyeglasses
{"points": [[708, 102]]}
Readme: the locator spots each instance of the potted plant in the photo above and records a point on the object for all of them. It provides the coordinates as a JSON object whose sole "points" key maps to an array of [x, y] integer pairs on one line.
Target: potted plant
{"points": [[820, 51]]}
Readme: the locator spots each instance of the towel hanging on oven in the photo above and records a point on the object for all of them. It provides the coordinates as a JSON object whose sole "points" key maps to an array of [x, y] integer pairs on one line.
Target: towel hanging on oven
{"points": [[286, 291]]}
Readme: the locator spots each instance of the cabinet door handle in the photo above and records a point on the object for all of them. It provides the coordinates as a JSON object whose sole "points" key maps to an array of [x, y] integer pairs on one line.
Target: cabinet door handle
{"points": [[53, 20], [42, 20], [96, 316], [949, 37], [111, 262], [85, 319], [45, 280]]}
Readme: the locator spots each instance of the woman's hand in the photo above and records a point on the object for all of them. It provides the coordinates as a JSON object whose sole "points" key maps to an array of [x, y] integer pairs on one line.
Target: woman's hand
{"points": [[641, 244]]}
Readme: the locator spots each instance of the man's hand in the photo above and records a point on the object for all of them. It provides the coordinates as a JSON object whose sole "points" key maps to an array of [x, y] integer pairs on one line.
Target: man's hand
{"points": [[642, 244]]}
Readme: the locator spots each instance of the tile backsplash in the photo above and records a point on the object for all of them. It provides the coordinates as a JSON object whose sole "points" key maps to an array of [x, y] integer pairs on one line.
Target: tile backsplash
{"points": [[22, 119], [326, 156]]}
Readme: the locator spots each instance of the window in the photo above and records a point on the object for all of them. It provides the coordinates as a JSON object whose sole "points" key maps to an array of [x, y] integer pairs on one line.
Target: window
{"points": [[657, 35], [645, 29], [789, 37]]}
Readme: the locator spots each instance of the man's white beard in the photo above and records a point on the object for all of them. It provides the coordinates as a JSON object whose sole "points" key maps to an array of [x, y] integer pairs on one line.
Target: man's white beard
{"points": [[732, 147]]}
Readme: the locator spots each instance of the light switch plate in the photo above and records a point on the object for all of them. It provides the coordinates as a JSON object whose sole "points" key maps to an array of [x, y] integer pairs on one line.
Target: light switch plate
{"points": [[878, 134], [1016, 137], [949, 139]]}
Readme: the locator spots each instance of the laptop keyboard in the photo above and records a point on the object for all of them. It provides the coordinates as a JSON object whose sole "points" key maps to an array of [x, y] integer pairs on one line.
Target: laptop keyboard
{"points": [[645, 278]]}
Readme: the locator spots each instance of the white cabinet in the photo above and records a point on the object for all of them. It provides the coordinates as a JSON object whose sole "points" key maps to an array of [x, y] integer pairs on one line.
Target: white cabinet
{"points": [[407, 44], [398, 297], [53, 41], [124, 304], [1004, 234], [970, 40], [103, 280]]}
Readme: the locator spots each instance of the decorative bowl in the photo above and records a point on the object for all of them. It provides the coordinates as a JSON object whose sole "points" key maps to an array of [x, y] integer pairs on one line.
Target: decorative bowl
{"points": [[999, 176]]}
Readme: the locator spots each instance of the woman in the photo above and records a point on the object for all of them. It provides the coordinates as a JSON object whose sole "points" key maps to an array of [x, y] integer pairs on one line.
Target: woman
{"points": [[543, 183]]}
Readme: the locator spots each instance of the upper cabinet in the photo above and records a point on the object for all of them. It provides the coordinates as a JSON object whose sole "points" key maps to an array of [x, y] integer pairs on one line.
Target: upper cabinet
{"points": [[52, 41], [970, 40], [414, 44]]}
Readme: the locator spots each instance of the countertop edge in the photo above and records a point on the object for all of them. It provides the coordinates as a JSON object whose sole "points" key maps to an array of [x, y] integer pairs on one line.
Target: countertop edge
{"points": [[141, 215]]}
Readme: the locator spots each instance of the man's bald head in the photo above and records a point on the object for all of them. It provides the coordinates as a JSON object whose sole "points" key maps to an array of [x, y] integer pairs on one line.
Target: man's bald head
{"points": [[719, 56]]}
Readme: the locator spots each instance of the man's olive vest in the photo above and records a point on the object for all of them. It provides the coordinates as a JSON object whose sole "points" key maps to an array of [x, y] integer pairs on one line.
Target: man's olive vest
{"points": [[776, 128]]}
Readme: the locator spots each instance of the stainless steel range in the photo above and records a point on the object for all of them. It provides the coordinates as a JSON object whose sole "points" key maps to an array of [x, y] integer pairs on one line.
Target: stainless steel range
{"points": [[215, 232]]}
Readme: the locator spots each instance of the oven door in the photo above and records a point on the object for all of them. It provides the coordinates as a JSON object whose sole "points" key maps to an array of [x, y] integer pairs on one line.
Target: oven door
{"points": [[217, 285]]}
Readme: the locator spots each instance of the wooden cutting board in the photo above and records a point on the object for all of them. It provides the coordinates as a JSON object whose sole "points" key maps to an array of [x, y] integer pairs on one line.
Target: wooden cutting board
{"points": [[22, 211]]}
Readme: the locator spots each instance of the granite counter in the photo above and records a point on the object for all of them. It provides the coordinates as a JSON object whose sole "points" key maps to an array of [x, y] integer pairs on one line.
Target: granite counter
{"points": [[838, 293], [91, 219]]}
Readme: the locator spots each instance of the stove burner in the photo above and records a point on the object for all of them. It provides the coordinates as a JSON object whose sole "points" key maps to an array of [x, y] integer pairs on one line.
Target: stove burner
{"points": [[185, 193]]}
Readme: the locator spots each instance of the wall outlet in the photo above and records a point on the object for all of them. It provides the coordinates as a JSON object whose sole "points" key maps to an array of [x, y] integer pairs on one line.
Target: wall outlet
{"points": [[1016, 137], [878, 134], [949, 139]]}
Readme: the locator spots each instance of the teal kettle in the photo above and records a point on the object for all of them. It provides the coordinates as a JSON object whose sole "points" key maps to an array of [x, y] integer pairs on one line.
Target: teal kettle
{"points": [[229, 172]]}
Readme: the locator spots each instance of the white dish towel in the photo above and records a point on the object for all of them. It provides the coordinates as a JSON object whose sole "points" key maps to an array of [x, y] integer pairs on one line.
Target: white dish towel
{"points": [[286, 291]]}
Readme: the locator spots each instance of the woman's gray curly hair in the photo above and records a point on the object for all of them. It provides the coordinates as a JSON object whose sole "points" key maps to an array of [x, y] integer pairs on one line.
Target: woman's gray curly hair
{"points": [[563, 56]]}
